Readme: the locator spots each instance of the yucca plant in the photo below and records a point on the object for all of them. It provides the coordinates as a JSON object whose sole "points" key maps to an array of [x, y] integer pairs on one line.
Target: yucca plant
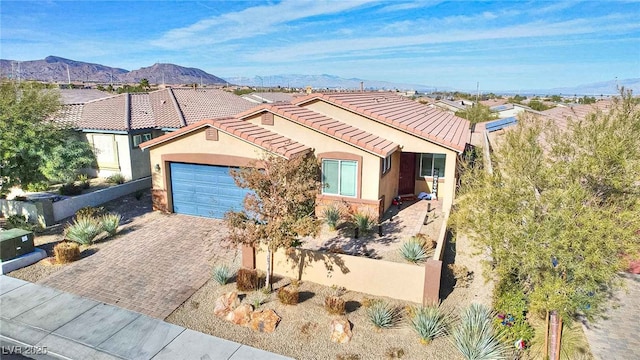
{"points": [[413, 250], [382, 314], [110, 223], [331, 215], [429, 322], [221, 274], [475, 337], [116, 178], [83, 230], [364, 221]]}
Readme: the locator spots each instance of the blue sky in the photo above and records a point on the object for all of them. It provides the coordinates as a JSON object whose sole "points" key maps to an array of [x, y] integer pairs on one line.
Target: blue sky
{"points": [[502, 45]]}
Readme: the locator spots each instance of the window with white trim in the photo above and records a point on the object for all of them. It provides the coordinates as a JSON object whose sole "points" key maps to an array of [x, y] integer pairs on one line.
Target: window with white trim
{"points": [[432, 163], [140, 138], [386, 164], [339, 177]]}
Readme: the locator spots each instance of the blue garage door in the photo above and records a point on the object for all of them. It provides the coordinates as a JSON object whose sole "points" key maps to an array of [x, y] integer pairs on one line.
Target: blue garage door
{"points": [[204, 190]]}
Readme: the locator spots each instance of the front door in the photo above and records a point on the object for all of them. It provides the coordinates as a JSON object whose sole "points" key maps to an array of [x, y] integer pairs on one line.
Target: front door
{"points": [[407, 179]]}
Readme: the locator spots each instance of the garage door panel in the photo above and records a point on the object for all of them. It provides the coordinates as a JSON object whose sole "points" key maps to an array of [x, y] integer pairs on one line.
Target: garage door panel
{"points": [[204, 190]]}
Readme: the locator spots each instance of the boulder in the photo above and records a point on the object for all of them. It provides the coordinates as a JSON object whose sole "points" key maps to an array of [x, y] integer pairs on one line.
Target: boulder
{"points": [[341, 331], [264, 321], [240, 315], [226, 303]]}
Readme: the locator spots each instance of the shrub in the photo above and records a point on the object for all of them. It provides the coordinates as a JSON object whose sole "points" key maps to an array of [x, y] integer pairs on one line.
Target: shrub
{"points": [[90, 212], [66, 252], [364, 222], [257, 298], [394, 353], [70, 189], [427, 242], [429, 322], [222, 274], [116, 178], [382, 314], [461, 274], [413, 251], [331, 215], [110, 223], [247, 280], [475, 336], [20, 222], [335, 305], [288, 295], [84, 181], [36, 187], [510, 302], [83, 230]]}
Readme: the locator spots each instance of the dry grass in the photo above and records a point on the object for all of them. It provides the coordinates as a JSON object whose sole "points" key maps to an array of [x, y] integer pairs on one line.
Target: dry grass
{"points": [[247, 280], [288, 295], [66, 252]]}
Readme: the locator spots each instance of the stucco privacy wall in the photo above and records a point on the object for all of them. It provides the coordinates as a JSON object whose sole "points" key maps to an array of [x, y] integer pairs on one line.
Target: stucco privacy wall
{"points": [[375, 277], [408, 143], [39, 212], [194, 147], [322, 143]]}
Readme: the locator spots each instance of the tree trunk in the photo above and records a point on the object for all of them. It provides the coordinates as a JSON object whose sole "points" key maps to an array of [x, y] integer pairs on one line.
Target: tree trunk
{"points": [[555, 334], [545, 355], [267, 283]]}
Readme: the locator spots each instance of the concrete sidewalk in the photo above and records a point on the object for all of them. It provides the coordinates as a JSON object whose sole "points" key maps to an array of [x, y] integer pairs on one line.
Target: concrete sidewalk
{"points": [[36, 317]]}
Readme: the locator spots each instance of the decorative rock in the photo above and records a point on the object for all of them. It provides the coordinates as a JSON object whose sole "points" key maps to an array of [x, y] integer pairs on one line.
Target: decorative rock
{"points": [[264, 321], [226, 303], [341, 331], [241, 315]]}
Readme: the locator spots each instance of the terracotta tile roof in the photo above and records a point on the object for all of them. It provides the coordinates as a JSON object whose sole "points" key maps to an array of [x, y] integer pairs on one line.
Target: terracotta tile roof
{"points": [[269, 97], [246, 131], [200, 104], [69, 114], [329, 126], [412, 117], [165, 109], [561, 114], [141, 114], [79, 96], [105, 114]]}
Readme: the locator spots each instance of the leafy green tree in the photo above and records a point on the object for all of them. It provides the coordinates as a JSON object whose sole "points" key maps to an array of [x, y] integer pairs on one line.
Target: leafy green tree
{"points": [[538, 105], [65, 161], [144, 84], [517, 99], [280, 209], [559, 214], [477, 113], [556, 98], [26, 134], [586, 100]]}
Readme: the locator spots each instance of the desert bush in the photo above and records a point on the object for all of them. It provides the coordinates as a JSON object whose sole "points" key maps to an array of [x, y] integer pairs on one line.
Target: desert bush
{"points": [[394, 353], [348, 356], [222, 274], [475, 337], [66, 252], [429, 322], [511, 305], [364, 221], [335, 305], [110, 223], [90, 212], [84, 181], [413, 251], [331, 215], [382, 314], [70, 189], [37, 186], [427, 242], [461, 274], [83, 230], [20, 222], [247, 280], [288, 295], [116, 178], [257, 298]]}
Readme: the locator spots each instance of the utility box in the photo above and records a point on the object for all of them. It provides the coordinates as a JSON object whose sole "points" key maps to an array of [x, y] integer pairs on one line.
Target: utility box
{"points": [[15, 243]]}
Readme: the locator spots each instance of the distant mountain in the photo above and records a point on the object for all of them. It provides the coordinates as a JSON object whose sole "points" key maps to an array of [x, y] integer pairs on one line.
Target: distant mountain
{"points": [[57, 69], [324, 81], [593, 89]]}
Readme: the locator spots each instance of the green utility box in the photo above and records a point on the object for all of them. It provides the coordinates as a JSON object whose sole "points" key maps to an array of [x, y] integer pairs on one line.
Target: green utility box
{"points": [[15, 243]]}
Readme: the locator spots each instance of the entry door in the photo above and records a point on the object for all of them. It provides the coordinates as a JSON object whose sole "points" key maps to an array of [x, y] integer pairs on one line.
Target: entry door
{"points": [[407, 178]]}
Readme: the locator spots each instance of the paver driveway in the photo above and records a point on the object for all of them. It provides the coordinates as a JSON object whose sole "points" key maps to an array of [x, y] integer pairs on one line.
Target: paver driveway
{"points": [[152, 268]]}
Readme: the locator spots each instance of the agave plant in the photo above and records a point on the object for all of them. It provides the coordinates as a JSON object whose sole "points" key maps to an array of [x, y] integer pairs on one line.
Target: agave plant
{"points": [[83, 230], [222, 274], [429, 322], [475, 337], [382, 314], [110, 223], [331, 215], [413, 251]]}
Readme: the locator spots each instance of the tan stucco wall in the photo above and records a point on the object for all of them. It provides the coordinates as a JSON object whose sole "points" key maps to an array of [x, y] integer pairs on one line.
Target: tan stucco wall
{"points": [[119, 164], [389, 181], [408, 142], [322, 143], [375, 277]]}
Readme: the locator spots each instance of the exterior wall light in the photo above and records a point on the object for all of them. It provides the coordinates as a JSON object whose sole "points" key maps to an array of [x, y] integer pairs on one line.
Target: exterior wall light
{"points": [[157, 167]]}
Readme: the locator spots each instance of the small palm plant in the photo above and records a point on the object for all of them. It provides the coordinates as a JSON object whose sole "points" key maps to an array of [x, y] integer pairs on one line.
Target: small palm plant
{"points": [[382, 314], [331, 215], [413, 250], [429, 322], [222, 274], [110, 223], [475, 337], [83, 230]]}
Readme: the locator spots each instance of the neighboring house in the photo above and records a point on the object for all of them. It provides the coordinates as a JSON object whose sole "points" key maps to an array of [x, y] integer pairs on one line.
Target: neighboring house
{"points": [[508, 110], [269, 97], [80, 96], [116, 125], [372, 147], [454, 105]]}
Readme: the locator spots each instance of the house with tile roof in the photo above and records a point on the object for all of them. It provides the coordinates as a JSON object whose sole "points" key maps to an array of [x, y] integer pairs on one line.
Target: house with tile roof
{"points": [[372, 147], [116, 125]]}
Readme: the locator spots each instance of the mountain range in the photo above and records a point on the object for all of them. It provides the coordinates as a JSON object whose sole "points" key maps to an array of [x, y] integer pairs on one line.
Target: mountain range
{"points": [[61, 70]]}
